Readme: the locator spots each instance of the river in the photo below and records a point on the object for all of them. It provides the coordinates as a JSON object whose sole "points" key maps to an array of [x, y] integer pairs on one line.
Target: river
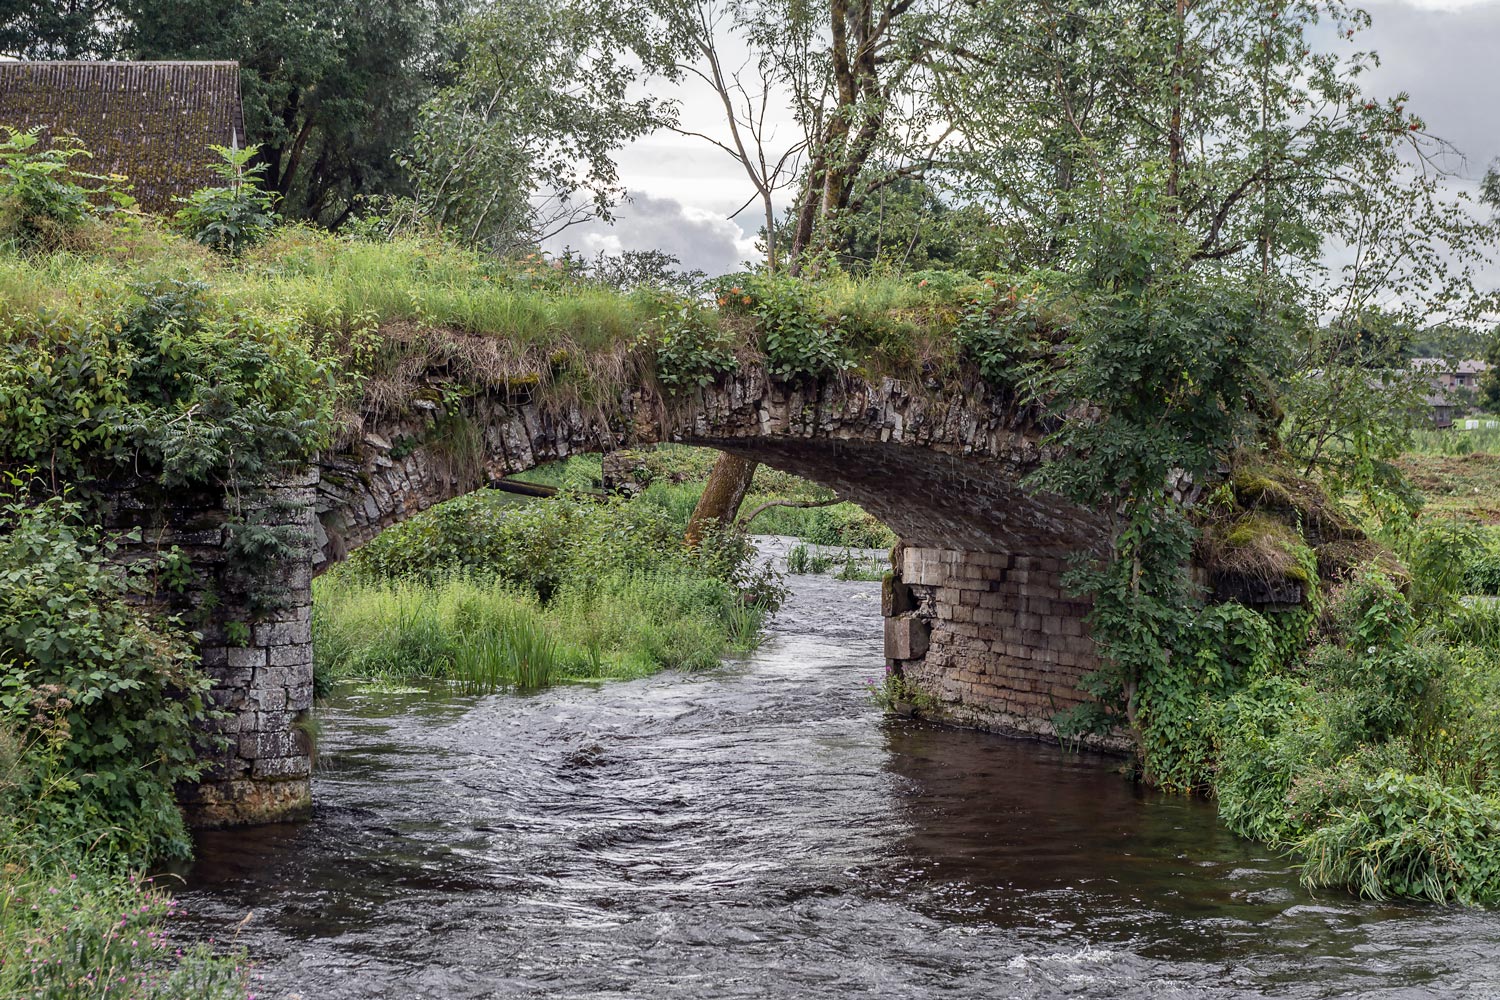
{"points": [[761, 831]]}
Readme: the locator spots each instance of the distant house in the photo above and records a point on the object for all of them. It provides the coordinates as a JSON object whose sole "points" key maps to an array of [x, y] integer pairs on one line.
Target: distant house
{"points": [[1452, 374], [1453, 385], [151, 121]]}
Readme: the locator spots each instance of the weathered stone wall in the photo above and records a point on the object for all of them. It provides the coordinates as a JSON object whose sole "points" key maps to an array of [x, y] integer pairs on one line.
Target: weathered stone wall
{"points": [[255, 619], [990, 636]]}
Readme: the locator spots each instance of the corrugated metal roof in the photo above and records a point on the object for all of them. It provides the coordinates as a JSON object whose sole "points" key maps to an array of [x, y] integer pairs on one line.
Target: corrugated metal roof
{"points": [[151, 121]]}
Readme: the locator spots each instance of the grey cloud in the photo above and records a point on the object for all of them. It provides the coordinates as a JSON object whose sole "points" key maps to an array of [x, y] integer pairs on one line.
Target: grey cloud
{"points": [[1449, 61], [698, 238]]}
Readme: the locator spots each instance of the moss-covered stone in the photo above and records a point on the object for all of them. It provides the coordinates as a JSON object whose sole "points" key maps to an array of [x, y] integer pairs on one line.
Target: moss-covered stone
{"points": [[1272, 536], [1294, 499]]}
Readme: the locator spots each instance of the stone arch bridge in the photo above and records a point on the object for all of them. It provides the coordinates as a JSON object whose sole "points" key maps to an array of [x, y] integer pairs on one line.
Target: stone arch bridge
{"points": [[975, 613]]}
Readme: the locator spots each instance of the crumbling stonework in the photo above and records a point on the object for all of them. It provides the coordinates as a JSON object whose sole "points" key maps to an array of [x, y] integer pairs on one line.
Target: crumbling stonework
{"points": [[255, 619], [990, 636]]}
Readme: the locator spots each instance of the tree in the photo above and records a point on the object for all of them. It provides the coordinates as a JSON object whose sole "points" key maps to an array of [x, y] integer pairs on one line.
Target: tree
{"points": [[696, 29], [331, 88], [58, 29], [521, 146], [1489, 386]]}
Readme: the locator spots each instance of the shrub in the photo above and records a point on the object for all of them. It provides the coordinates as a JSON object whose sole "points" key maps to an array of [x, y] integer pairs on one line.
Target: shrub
{"points": [[846, 525], [43, 196], [485, 634], [534, 545], [797, 342], [106, 696], [1179, 710], [1268, 734], [688, 347], [156, 381], [1441, 553], [236, 215], [1482, 571], [1006, 330], [1409, 835]]}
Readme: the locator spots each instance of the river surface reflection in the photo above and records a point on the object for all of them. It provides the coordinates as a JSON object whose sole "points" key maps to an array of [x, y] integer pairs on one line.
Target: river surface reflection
{"points": [[761, 831]]}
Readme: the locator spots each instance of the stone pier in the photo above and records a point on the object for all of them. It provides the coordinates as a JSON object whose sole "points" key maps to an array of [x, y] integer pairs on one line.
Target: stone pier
{"points": [[991, 637]]}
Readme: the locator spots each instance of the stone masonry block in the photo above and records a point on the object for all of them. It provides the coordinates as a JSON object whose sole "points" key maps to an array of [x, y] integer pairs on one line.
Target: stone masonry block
{"points": [[297, 766], [906, 638], [895, 597], [290, 656], [246, 656], [283, 634]]}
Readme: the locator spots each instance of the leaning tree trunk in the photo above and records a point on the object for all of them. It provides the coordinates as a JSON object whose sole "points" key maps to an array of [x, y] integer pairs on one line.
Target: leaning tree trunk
{"points": [[726, 489]]}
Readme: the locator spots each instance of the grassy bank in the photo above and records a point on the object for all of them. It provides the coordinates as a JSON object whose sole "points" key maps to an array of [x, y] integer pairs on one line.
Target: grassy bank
{"points": [[491, 593], [486, 634], [1374, 757]]}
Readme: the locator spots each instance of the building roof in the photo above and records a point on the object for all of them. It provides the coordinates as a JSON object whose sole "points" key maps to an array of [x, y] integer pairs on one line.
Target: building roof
{"points": [[1444, 366], [151, 121]]}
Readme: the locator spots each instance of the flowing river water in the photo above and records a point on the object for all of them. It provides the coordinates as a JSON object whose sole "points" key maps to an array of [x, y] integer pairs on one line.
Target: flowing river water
{"points": [[761, 831]]}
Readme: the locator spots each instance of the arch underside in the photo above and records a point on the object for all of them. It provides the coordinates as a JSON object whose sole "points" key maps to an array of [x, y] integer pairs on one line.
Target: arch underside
{"points": [[942, 468], [929, 498]]}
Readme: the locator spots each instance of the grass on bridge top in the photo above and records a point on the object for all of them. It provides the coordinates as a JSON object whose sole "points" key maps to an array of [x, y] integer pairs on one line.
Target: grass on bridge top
{"points": [[325, 284]]}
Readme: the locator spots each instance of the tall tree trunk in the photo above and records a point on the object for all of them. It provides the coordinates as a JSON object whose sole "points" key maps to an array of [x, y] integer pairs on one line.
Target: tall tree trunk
{"points": [[720, 503]]}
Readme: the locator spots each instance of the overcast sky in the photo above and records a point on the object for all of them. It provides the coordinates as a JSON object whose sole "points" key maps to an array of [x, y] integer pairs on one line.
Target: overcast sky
{"points": [[1445, 53]]}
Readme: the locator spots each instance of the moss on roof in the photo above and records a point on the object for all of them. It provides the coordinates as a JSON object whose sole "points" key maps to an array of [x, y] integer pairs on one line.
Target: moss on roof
{"points": [[150, 121]]}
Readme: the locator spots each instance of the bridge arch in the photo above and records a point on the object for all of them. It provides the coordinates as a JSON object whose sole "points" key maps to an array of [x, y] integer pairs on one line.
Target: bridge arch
{"points": [[976, 618]]}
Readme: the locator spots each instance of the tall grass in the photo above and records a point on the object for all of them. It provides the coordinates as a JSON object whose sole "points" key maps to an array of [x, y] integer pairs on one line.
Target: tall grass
{"points": [[487, 635], [1482, 440]]}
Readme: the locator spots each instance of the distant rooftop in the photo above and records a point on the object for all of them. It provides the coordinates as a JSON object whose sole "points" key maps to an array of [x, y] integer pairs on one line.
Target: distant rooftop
{"points": [[1453, 367], [151, 121]]}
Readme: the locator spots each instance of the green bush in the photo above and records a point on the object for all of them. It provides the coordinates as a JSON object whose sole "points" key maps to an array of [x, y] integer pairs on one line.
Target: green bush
{"points": [[1268, 734], [1482, 572], [688, 348], [235, 215], [532, 545], [607, 586], [44, 196], [1006, 330], [844, 525], [796, 339], [155, 382], [1411, 836], [1179, 710], [105, 696], [1378, 763], [1441, 554]]}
